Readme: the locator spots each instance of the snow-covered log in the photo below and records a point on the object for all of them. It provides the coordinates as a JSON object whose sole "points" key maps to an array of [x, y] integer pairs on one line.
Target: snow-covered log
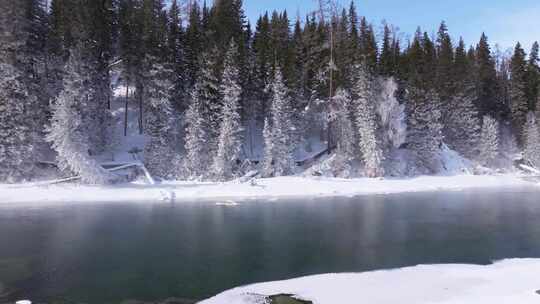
{"points": [[141, 166], [529, 169]]}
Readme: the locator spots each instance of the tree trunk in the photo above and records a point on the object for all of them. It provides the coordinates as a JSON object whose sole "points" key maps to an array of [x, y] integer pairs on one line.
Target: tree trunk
{"points": [[108, 90], [140, 112], [126, 110]]}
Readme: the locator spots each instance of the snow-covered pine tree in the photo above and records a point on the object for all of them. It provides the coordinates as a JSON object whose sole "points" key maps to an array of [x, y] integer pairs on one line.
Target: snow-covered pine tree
{"points": [[366, 122], [67, 132], [98, 19], [425, 129], [279, 154], [344, 133], [462, 129], [35, 66], [518, 93], [489, 102], [16, 100], [533, 75], [159, 121], [230, 136], [176, 44], [193, 45], [196, 138], [489, 141], [268, 158], [16, 145], [532, 140], [94, 113], [208, 86], [392, 115]]}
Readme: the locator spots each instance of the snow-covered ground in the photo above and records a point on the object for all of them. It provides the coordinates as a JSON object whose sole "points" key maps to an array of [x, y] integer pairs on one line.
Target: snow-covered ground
{"points": [[510, 281], [272, 188]]}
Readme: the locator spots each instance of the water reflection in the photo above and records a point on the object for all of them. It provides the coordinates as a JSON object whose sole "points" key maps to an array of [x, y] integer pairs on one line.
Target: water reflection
{"points": [[105, 254]]}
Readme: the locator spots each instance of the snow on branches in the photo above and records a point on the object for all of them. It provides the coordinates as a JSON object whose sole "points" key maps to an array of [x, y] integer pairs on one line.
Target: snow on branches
{"points": [[278, 135], [230, 139], [489, 141], [67, 133], [159, 122], [366, 123]]}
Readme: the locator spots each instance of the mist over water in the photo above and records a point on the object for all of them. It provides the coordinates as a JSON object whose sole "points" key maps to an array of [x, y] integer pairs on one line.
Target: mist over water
{"points": [[111, 253]]}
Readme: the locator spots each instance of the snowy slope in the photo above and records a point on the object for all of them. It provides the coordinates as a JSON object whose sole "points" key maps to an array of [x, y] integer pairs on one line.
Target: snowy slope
{"points": [[122, 145]]}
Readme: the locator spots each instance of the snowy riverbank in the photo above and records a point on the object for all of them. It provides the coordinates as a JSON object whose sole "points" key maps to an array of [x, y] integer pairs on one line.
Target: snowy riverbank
{"points": [[509, 281], [273, 188]]}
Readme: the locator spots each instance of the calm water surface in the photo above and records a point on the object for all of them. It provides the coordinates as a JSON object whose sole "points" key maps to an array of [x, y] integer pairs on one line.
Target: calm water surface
{"points": [[110, 253]]}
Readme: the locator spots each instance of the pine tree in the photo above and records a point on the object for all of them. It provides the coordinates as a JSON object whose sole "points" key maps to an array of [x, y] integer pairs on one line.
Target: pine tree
{"points": [[518, 92], [462, 128], [278, 136], [445, 81], [462, 65], [159, 122], [425, 129], [346, 135], [533, 76], [152, 48], [16, 99], [36, 65], [88, 28], [354, 37], [368, 44], [175, 39], [196, 141], [15, 131], [415, 60], [62, 19], [532, 140], [386, 64], [280, 42], [208, 86], [489, 102], [489, 142], [67, 132], [366, 122], [343, 63], [424, 135], [227, 21], [262, 66], [230, 140], [194, 43], [101, 22], [299, 75], [268, 158], [502, 63], [430, 63]]}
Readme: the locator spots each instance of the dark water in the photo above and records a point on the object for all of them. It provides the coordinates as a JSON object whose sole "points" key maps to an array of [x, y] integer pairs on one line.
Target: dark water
{"points": [[110, 253]]}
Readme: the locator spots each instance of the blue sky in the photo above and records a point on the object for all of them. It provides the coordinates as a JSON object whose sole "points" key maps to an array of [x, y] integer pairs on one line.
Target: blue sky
{"points": [[504, 21]]}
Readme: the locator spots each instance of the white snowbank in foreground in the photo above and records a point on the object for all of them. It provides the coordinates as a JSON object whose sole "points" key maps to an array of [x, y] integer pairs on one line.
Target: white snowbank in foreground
{"points": [[282, 187], [509, 281]]}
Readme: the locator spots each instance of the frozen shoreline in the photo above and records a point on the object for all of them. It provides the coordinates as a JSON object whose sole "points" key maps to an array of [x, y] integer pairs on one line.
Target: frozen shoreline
{"points": [[508, 281], [273, 188]]}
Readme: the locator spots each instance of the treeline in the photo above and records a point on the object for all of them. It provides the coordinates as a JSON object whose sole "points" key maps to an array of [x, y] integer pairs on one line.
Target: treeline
{"points": [[207, 84]]}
